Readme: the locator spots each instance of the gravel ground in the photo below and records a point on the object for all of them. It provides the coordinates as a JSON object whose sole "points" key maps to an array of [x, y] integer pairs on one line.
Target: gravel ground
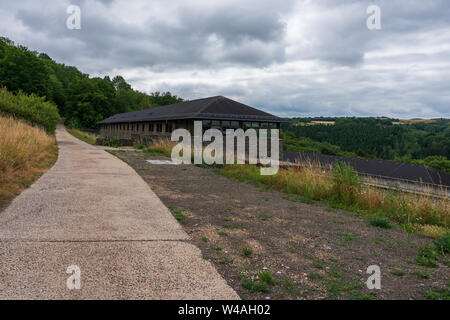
{"points": [[313, 252]]}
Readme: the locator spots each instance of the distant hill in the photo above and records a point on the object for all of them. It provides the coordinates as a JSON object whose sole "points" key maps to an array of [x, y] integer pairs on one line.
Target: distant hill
{"points": [[424, 141]]}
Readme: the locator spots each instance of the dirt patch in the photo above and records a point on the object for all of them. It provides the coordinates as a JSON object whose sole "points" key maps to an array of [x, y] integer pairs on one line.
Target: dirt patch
{"points": [[311, 251]]}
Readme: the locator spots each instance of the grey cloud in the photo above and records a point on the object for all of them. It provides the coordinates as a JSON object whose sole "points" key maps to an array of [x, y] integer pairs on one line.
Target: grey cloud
{"points": [[333, 69]]}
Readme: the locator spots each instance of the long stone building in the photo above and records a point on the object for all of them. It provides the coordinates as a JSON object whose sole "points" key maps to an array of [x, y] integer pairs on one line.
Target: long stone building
{"points": [[214, 112]]}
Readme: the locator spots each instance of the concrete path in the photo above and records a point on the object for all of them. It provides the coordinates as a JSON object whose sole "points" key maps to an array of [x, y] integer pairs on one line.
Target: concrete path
{"points": [[93, 211]]}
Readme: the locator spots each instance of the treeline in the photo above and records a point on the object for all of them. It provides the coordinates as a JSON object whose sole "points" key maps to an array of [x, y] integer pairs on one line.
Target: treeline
{"points": [[417, 142], [303, 144], [82, 100]]}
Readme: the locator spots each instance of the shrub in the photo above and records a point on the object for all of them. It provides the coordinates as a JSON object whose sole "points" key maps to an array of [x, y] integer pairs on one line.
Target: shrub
{"points": [[84, 136], [253, 286], [342, 188], [31, 108], [160, 147]]}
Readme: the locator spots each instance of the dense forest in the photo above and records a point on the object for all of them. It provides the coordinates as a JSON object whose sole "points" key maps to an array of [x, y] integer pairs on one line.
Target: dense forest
{"points": [[82, 100], [424, 142]]}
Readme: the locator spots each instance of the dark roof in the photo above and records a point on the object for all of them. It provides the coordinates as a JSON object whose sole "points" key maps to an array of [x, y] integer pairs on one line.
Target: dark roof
{"points": [[207, 108], [381, 168]]}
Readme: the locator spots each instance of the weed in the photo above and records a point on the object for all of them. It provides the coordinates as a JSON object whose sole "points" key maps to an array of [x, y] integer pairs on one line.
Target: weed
{"points": [[222, 234], [442, 244], [267, 278], [253, 286], [247, 252], [426, 257], [380, 223], [422, 275], [315, 276], [205, 239], [398, 272]]}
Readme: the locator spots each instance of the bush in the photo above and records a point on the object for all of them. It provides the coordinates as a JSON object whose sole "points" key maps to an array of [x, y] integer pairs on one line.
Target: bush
{"points": [[30, 108], [267, 278]]}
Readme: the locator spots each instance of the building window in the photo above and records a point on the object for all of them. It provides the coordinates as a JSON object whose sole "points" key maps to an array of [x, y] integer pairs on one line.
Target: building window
{"points": [[150, 127], [128, 127], [234, 124], [226, 124], [143, 127], [159, 127]]}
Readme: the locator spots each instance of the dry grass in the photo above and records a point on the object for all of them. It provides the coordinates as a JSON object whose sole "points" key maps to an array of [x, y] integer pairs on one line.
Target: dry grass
{"points": [[26, 152], [87, 137], [163, 147], [340, 187], [423, 213]]}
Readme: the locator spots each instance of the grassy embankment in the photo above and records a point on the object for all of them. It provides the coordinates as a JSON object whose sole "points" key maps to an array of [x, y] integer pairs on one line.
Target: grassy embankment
{"points": [[340, 187], [27, 145], [83, 136]]}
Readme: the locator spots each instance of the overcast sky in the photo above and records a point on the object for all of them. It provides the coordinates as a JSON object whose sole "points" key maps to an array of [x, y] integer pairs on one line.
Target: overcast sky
{"points": [[290, 58]]}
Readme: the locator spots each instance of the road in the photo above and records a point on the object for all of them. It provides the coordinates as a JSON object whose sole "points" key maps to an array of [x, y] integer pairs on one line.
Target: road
{"points": [[93, 211]]}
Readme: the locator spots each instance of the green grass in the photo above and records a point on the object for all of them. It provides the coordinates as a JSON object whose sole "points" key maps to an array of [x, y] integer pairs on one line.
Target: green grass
{"points": [[319, 264], [435, 293], [222, 233], [205, 239], [380, 223], [315, 276], [83, 136], [247, 252], [290, 288], [398, 272], [422, 275], [443, 244], [254, 286], [267, 278], [263, 284], [341, 188], [426, 257]]}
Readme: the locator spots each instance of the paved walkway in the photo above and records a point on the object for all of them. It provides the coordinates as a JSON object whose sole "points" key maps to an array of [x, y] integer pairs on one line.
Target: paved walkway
{"points": [[94, 211]]}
